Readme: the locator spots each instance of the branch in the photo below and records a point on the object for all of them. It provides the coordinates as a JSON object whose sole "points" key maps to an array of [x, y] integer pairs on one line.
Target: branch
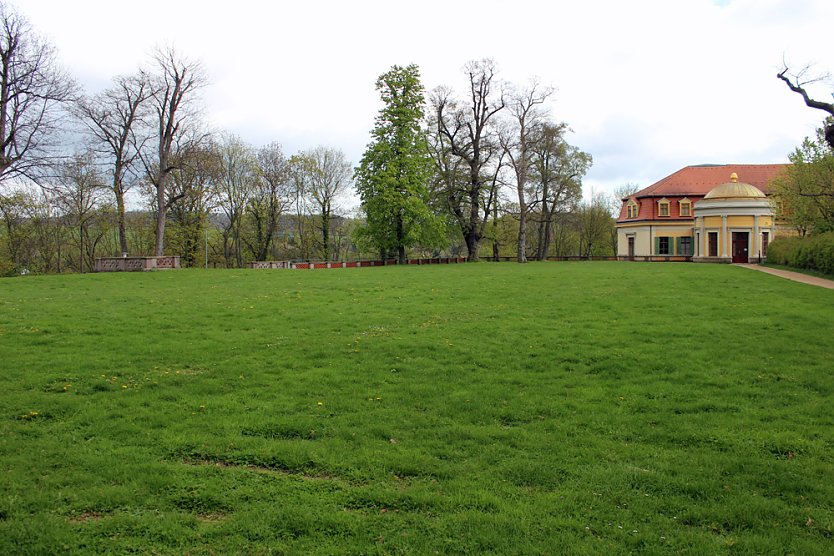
{"points": [[797, 88]]}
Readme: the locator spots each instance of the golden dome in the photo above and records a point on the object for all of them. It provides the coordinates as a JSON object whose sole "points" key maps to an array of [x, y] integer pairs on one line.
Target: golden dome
{"points": [[734, 190]]}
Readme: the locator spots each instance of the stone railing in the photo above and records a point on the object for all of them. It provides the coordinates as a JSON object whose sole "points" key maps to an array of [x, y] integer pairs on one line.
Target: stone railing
{"points": [[136, 264], [268, 264]]}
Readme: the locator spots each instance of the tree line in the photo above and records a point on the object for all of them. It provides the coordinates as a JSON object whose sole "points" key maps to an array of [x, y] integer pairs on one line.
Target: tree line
{"points": [[133, 169]]}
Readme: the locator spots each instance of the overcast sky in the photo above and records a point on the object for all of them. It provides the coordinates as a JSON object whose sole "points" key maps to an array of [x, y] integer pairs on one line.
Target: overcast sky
{"points": [[647, 86]]}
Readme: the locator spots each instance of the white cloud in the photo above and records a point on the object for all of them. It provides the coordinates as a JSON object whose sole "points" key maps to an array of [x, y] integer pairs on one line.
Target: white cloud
{"points": [[647, 86]]}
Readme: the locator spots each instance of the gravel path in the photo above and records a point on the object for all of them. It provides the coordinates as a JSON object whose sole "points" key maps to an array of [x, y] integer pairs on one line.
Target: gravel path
{"points": [[795, 276]]}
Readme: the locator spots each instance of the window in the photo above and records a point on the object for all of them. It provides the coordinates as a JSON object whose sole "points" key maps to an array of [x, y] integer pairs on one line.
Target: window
{"points": [[685, 246], [663, 246], [663, 207], [765, 241], [632, 209], [685, 207], [713, 244]]}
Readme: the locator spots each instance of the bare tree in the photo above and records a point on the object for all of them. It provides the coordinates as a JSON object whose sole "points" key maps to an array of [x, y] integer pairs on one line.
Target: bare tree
{"points": [[798, 83], [329, 178], [300, 168], [112, 119], [492, 201], [271, 196], [79, 192], [192, 199], [618, 198], [467, 133], [620, 194], [517, 139], [556, 181], [174, 87], [233, 189], [33, 92], [34, 233], [593, 226], [13, 205]]}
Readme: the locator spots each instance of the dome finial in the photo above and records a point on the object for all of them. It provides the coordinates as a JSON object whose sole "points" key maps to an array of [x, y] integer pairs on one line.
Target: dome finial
{"points": [[734, 177]]}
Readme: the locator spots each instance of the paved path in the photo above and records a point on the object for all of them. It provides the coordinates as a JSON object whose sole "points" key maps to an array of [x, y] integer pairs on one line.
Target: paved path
{"points": [[790, 275]]}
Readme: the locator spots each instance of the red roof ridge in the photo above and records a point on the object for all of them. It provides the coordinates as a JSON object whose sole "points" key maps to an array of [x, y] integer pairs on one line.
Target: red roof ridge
{"points": [[698, 180]]}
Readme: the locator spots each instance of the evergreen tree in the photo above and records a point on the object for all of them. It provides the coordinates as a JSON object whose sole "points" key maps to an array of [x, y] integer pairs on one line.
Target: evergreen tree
{"points": [[392, 177]]}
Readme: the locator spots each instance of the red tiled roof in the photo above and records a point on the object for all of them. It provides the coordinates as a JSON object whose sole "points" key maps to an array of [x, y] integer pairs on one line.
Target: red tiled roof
{"points": [[693, 182], [699, 180]]}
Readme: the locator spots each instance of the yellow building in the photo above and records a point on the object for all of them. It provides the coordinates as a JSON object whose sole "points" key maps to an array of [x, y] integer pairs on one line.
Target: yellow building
{"points": [[700, 213], [733, 223]]}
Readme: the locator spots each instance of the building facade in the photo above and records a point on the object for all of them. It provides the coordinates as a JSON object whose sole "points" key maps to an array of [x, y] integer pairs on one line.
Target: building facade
{"points": [[715, 213]]}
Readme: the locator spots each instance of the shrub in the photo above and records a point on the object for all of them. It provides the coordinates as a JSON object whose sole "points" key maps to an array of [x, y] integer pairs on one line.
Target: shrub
{"points": [[815, 252]]}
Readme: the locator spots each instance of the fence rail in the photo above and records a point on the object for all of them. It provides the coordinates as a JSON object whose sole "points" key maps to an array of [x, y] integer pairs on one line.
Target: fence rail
{"points": [[316, 265], [313, 265], [572, 258]]}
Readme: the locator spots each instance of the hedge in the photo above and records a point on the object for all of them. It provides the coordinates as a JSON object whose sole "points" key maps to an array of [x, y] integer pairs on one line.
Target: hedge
{"points": [[815, 252]]}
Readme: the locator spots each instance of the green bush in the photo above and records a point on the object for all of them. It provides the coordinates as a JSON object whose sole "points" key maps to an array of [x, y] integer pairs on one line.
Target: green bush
{"points": [[7, 267], [815, 252]]}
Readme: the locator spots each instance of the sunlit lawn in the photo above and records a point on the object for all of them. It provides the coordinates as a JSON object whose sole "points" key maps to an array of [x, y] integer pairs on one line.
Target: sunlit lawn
{"points": [[578, 408]]}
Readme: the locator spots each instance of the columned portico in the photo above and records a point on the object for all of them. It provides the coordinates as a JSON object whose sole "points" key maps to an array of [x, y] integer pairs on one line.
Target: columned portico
{"points": [[744, 212]]}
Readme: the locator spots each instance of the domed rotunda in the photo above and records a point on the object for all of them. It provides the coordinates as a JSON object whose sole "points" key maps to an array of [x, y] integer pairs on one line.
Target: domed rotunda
{"points": [[733, 223]]}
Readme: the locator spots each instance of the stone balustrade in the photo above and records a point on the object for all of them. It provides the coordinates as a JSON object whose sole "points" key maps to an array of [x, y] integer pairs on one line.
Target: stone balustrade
{"points": [[136, 264]]}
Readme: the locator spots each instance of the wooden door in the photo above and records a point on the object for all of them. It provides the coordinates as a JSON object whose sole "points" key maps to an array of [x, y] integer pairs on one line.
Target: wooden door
{"points": [[631, 248], [740, 247]]}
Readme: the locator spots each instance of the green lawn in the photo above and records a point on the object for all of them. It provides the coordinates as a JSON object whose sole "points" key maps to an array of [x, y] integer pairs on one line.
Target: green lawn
{"points": [[560, 408]]}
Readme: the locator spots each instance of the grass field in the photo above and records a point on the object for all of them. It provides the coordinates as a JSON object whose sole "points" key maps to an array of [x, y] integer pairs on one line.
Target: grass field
{"points": [[552, 408]]}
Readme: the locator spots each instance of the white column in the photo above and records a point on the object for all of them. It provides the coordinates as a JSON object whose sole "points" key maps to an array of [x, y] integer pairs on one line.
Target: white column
{"points": [[703, 247], [724, 235], [755, 238]]}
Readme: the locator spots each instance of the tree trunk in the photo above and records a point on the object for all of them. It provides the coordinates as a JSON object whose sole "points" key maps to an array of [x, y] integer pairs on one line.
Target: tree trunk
{"points": [[521, 181], [496, 245], [160, 219], [120, 210], [541, 244], [238, 250], [473, 234], [548, 236], [522, 228], [400, 240], [325, 233], [81, 248], [473, 242]]}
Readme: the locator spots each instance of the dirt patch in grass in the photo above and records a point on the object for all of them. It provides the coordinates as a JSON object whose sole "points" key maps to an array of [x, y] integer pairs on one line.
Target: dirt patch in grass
{"points": [[215, 517], [86, 517], [264, 468]]}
